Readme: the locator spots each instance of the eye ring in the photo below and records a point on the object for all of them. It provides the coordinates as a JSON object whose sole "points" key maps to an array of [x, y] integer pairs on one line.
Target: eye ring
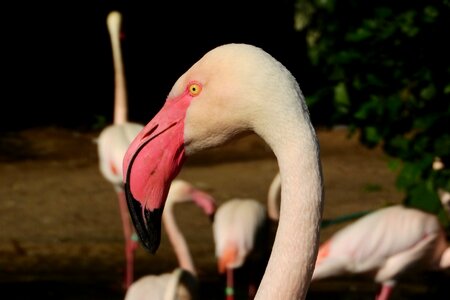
{"points": [[194, 89]]}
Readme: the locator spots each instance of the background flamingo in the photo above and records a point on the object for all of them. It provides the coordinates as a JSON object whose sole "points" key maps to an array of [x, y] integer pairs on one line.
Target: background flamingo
{"points": [[273, 198], [239, 229], [234, 89], [182, 282], [385, 244], [113, 142]]}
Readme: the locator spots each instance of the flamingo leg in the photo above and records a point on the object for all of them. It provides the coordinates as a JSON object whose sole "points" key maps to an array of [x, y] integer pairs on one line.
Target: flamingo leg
{"points": [[400, 262], [130, 240], [229, 290], [385, 292]]}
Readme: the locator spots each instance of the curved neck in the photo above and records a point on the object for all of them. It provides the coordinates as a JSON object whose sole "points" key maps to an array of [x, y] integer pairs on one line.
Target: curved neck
{"points": [[289, 270], [177, 240], [120, 93]]}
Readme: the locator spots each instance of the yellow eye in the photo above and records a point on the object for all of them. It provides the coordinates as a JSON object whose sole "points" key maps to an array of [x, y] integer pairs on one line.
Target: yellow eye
{"points": [[195, 89]]}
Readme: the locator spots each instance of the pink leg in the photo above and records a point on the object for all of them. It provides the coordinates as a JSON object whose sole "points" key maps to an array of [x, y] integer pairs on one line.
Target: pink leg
{"points": [[130, 242], [385, 292], [229, 290]]}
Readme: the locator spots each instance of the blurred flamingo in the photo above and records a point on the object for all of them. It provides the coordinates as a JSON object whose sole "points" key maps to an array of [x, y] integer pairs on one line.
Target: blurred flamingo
{"points": [[385, 244], [113, 142], [273, 198], [232, 90], [182, 282], [239, 232]]}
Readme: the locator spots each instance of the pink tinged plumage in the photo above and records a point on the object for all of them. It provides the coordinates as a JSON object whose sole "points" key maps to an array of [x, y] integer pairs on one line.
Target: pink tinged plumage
{"points": [[387, 243]]}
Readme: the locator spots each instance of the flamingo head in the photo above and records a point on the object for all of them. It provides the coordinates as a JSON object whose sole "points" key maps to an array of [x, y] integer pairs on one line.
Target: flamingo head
{"points": [[183, 191], [225, 94]]}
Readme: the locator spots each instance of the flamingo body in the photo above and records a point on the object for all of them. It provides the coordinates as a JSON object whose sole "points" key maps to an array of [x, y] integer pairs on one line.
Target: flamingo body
{"points": [[232, 90], [113, 142], [386, 244], [177, 285], [238, 230], [236, 225]]}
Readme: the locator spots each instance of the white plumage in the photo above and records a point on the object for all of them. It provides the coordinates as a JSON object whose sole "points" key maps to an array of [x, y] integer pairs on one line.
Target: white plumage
{"points": [[236, 225], [387, 243]]}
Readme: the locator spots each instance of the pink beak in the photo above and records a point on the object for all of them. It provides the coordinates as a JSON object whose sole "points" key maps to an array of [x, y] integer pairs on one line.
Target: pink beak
{"points": [[152, 161]]}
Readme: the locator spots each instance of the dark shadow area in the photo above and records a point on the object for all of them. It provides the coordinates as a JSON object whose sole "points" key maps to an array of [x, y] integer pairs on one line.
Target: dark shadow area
{"points": [[59, 60]]}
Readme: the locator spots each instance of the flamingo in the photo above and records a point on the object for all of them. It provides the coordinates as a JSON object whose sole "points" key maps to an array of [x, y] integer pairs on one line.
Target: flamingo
{"points": [[273, 208], [237, 229], [232, 90], [113, 142], [386, 243], [239, 223], [182, 282]]}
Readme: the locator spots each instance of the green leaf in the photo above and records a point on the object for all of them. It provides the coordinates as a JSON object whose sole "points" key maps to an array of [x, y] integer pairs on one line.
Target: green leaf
{"points": [[341, 99], [406, 23], [394, 164], [371, 135], [383, 12], [327, 4], [425, 122], [345, 57], [399, 143], [441, 145], [424, 198], [428, 92], [373, 79], [430, 13], [409, 175], [447, 89], [359, 35]]}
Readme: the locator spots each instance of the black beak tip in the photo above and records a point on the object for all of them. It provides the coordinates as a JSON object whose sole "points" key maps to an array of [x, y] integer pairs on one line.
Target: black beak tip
{"points": [[151, 237], [147, 224]]}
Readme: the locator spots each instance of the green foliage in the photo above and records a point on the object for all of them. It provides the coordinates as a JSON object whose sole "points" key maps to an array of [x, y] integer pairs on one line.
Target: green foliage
{"points": [[384, 68]]}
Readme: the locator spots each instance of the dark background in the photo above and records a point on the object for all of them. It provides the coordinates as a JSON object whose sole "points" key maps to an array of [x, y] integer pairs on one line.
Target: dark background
{"points": [[59, 68]]}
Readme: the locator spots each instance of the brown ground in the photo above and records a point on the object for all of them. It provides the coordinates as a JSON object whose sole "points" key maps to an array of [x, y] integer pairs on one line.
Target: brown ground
{"points": [[60, 225]]}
